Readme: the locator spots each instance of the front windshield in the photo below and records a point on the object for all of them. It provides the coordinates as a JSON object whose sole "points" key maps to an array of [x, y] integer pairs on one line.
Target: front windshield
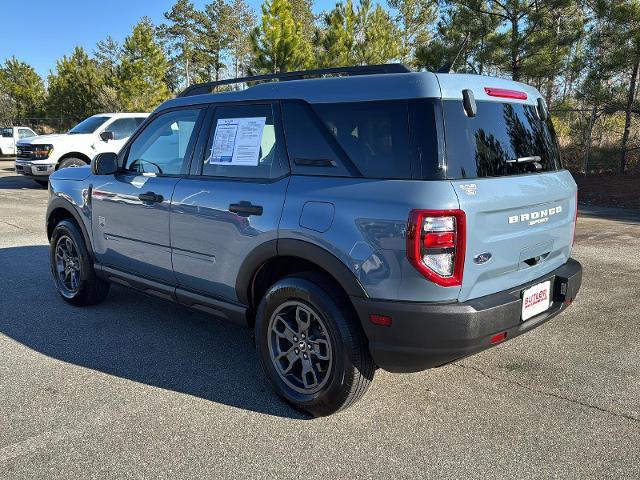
{"points": [[89, 125]]}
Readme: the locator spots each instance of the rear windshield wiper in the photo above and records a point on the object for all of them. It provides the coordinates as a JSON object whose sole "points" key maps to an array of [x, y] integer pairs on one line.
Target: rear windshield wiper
{"points": [[532, 159]]}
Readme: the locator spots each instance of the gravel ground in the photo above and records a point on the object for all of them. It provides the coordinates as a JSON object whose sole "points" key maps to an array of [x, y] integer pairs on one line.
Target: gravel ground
{"points": [[137, 388]]}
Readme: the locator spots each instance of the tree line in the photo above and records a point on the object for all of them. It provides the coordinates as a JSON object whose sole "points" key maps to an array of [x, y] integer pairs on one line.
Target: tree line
{"points": [[583, 55]]}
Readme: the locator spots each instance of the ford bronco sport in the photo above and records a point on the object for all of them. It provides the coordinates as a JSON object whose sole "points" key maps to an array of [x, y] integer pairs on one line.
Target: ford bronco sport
{"points": [[354, 218]]}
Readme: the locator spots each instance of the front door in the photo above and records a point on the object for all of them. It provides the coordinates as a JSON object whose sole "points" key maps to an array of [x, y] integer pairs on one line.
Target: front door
{"points": [[130, 209], [233, 200]]}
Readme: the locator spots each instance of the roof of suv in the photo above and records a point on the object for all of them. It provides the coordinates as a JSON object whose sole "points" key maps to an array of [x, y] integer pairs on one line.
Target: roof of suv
{"points": [[390, 86]]}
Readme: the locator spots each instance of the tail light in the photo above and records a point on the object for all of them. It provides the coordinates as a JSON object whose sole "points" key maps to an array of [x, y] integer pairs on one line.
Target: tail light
{"points": [[436, 245]]}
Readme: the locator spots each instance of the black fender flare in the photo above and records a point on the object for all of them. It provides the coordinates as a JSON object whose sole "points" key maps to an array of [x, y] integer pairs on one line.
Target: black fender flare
{"points": [[58, 203], [286, 247]]}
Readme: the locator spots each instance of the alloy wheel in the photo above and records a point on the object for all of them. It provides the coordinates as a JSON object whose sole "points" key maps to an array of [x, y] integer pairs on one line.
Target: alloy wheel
{"points": [[300, 347]]}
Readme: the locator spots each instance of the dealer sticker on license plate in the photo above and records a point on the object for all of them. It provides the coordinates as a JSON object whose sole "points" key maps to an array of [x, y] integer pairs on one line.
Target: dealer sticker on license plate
{"points": [[536, 300]]}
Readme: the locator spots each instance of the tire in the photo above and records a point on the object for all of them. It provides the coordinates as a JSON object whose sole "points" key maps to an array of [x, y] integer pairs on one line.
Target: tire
{"points": [[71, 162], [338, 365], [42, 183], [88, 288]]}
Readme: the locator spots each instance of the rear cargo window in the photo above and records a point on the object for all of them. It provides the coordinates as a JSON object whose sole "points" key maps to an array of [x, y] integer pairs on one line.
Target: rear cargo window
{"points": [[502, 139], [375, 135]]}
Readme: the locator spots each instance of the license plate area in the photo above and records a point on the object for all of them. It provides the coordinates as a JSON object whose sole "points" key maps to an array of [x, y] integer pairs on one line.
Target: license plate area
{"points": [[536, 300]]}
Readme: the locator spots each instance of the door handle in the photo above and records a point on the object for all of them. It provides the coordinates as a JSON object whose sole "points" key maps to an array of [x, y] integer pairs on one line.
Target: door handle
{"points": [[151, 197], [245, 209]]}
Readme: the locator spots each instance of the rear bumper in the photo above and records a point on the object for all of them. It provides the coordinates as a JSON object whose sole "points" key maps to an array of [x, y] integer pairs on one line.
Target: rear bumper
{"points": [[426, 335]]}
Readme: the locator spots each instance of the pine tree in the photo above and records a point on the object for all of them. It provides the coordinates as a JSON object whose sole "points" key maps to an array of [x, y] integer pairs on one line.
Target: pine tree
{"points": [[181, 36], [359, 36], [211, 40], [379, 34], [22, 87], [521, 31], [339, 40], [108, 56], [141, 79], [463, 40], [414, 19], [242, 21], [75, 86], [278, 44]]}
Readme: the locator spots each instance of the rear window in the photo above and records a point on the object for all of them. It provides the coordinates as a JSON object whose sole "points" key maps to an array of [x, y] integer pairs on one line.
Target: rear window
{"points": [[382, 139], [502, 139]]}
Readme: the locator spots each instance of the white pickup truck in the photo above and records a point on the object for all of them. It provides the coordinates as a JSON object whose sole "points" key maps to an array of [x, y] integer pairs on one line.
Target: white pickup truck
{"points": [[9, 136], [38, 157]]}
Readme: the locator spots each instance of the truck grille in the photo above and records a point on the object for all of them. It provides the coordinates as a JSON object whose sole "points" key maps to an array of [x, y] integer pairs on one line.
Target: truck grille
{"points": [[25, 151]]}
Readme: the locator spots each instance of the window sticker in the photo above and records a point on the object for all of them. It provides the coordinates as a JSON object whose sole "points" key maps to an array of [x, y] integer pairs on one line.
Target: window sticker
{"points": [[237, 141]]}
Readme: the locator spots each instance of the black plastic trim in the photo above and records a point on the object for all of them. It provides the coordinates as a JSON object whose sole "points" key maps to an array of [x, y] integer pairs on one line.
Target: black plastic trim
{"points": [[61, 203], [427, 335], [218, 307]]}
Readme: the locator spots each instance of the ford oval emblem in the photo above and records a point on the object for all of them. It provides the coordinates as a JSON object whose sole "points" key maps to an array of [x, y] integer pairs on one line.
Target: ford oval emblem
{"points": [[482, 258]]}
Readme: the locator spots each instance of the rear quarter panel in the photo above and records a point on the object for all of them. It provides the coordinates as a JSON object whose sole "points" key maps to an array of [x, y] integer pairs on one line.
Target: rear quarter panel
{"points": [[363, 223]]}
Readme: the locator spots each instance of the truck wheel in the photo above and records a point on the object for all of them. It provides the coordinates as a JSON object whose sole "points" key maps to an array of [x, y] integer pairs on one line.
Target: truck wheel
{"points": [[72, 268], [72, 162], [311, 345]]}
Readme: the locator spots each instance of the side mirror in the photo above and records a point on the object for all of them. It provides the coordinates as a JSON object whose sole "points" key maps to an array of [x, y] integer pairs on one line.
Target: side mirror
{"points": [[106, 136], [104, 164]]}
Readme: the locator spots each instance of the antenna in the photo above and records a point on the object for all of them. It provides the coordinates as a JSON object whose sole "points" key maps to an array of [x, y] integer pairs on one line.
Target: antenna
{"points": [[448, 67]]}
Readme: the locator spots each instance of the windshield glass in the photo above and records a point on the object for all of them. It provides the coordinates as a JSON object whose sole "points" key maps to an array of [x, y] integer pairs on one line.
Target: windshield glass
{"points": [[502, 139], [89, 125]]}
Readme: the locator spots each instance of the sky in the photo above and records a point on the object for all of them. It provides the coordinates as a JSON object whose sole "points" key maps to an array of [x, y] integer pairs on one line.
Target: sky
{"points": [[54, 27]]}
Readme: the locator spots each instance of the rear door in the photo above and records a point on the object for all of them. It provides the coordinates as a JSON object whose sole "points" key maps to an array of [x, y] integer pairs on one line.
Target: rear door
{"points": [[520, 204], [232, 202]]}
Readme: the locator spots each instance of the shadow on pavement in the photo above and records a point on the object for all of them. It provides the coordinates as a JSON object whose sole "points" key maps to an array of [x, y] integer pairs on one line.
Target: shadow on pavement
{"points": [[18, 182], [134, 337], [626, 215]]}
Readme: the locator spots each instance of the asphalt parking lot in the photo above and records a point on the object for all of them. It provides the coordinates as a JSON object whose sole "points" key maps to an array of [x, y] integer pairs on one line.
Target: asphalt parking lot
{"points": [[137, 388]]}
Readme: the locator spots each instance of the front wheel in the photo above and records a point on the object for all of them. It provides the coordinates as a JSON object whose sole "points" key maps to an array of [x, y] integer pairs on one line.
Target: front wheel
{"points": [[72, 268], [71, 162], [311, 345]]}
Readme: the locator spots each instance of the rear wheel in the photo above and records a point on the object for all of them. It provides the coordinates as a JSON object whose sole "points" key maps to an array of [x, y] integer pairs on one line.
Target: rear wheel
{"points": [[71, 162], [311, 345], [72, 268]]}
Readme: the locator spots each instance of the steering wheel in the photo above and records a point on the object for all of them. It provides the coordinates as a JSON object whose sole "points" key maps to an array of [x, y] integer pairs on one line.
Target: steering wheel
{"points": [[140, 161]]}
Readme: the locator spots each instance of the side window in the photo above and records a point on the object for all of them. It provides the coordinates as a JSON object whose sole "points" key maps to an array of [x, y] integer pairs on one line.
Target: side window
{"points": [[309, 142], [164, 144], [375, 135], [245, 141], [7, 132], [25, 133], [123, 127]]}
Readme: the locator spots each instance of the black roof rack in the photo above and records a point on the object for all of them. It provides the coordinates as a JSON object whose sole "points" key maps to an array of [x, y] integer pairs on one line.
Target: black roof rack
{"points": [[208, 87]]}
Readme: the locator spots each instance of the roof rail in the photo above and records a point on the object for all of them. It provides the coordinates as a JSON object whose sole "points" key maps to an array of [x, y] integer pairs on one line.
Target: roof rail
{"points": [[208, 87]]}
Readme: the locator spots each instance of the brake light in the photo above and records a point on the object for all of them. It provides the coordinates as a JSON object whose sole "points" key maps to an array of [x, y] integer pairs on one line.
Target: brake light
{"points": [[505, 93], [436, 245]]}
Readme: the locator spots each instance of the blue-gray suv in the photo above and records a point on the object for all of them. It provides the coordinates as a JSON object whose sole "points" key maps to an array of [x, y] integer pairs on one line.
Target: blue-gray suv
{"points": [[354, 218]]}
